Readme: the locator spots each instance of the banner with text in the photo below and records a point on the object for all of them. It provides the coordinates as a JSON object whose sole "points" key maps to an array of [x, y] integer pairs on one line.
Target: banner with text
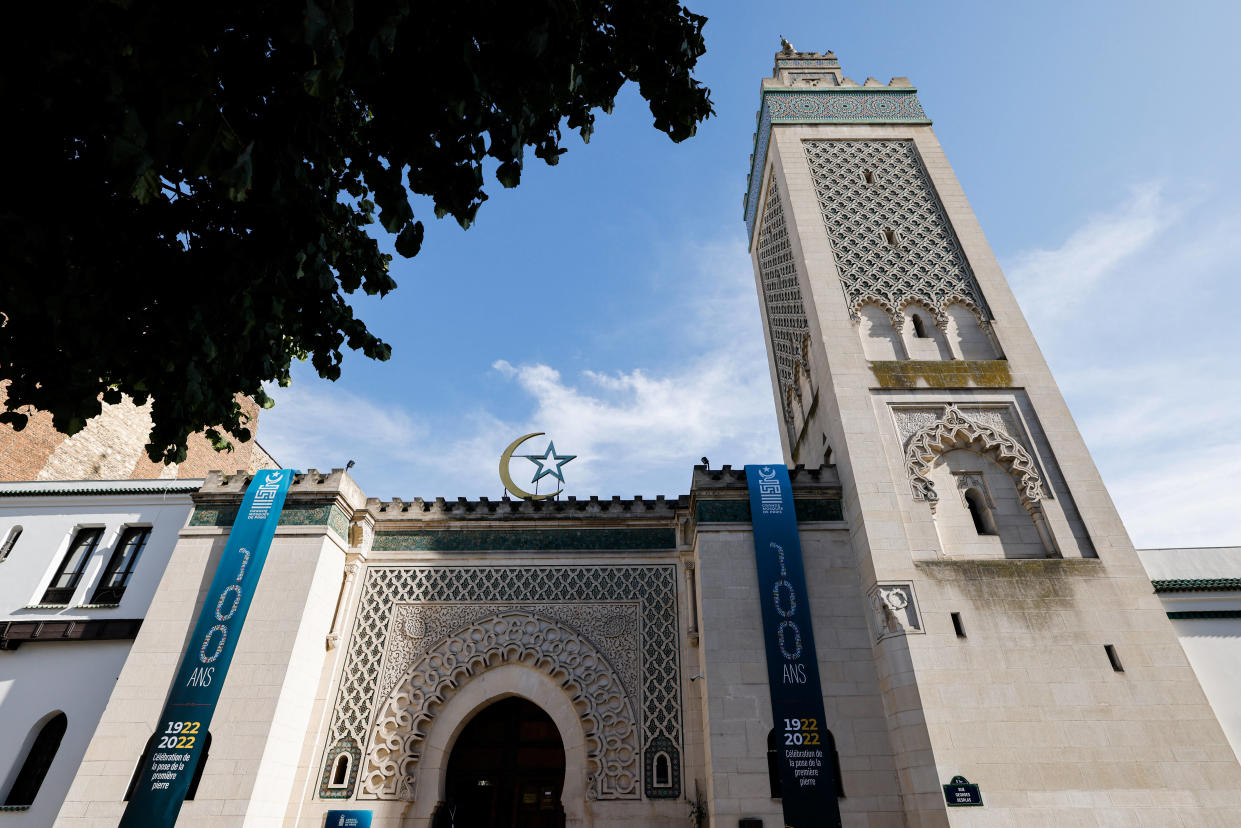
{"points": [[176, 747], [807, 778]]}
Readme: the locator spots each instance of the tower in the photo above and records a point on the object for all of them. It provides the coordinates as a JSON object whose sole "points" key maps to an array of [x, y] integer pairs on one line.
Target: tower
{"points": [[1015, 635]]}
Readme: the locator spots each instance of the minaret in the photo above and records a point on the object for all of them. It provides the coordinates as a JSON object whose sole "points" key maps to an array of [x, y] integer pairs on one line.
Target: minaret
{"points": [[1016, 636]]}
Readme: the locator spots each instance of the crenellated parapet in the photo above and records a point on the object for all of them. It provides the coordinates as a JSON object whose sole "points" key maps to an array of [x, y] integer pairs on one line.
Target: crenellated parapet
{"points": [[329, 499], [509, 509]]}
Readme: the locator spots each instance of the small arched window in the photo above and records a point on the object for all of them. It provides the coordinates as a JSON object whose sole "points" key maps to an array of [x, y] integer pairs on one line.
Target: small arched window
{"points": [[10, 542], [773, 763], [663, 770], [919, 327], [37, 762], [340, 771], [984, 522]]}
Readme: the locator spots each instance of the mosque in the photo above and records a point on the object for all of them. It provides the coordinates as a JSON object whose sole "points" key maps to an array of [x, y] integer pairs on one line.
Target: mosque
{"points": [[935, 617]]}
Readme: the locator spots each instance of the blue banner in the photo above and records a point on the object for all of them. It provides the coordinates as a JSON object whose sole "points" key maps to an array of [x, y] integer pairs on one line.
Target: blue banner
{"points": [[807, 772], [347, 819], [177, 745]]}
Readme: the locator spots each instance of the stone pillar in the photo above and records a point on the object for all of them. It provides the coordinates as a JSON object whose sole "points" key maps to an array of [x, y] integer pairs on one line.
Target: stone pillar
{"points": [[264, 710]]}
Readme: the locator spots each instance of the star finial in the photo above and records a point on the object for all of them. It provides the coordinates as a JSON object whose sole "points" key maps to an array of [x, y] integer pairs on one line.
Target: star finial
{"points": [[549, 463]]}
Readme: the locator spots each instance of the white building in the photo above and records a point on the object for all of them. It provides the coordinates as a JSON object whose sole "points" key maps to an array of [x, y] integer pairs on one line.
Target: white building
{"points": [[79, 564], [1201, 590]]}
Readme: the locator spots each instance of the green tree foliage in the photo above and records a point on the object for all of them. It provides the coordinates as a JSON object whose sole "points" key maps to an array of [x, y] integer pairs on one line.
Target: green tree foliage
{"points": [[190, 186]]}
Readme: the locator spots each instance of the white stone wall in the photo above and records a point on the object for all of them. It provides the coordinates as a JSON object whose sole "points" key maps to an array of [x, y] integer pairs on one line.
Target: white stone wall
{"points": [[1028, 702], [1212, 645], [265, 705], [736, 701]]}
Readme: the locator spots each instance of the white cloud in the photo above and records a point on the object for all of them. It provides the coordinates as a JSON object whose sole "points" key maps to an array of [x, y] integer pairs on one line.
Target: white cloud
{"points": [[634, 431], [1133, 312], [1052, 283]]}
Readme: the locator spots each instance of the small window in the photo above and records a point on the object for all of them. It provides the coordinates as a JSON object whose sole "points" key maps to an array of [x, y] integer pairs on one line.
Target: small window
{"points": [[37, 762], [889, 236], [340, 771], [121, 565], [69, 573], [957, 626], [984, 523], [868, 176], [663, 770], [919, 328], [1113, 658], [773, 763], [10, 542]]}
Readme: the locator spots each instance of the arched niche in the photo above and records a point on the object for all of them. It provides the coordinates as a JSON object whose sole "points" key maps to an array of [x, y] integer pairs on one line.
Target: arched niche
{"points": [[926, 468], [880, 342], [394, 765], [922, 335], [966, 336], [979, 513], [498, 683]]}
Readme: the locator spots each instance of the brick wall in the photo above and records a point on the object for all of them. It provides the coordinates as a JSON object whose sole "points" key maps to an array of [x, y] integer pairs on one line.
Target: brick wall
{"points": [[111, 448]]}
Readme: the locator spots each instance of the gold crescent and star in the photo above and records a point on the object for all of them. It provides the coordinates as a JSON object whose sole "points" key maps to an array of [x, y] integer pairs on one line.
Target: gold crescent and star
{"points": [[545, 468]]}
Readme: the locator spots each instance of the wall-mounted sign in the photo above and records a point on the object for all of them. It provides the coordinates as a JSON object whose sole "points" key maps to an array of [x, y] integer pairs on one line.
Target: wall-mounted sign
{"points": [[347, 819], [807, 775], [960, 791], [549, 464], [182, 729]]}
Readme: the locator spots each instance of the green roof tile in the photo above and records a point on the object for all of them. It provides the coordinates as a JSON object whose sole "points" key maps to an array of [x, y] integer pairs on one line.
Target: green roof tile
{"points": [[1197, 584]]}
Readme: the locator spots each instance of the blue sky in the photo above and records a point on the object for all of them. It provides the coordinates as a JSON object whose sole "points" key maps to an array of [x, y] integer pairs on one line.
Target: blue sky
{"points": [[609, 300]]}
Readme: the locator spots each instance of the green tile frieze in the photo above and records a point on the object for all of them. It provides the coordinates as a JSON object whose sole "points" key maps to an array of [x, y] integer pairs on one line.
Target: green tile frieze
{"points": [[471, 540], [294, 514], [738, 511]]}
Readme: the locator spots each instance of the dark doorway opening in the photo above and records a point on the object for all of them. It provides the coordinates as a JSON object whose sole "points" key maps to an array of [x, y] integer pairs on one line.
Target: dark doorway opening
{"points": [[505, 771]]}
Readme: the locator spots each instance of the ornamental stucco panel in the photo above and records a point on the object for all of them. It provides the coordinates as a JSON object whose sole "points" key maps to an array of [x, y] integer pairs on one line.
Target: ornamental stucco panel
{"points": [[891, 239], [610, 630], [786, 312]]}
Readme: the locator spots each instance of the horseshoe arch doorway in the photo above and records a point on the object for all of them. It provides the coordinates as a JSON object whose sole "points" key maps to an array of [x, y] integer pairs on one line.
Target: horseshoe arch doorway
{"points": [[506, 770]]}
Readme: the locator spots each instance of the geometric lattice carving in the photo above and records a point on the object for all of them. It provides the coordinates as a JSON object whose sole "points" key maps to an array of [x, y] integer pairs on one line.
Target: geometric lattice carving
{"points": [[614, 628], [953, 431], [404, 719], [890, 237], [672, 790], [547, 590], [786, 313]]}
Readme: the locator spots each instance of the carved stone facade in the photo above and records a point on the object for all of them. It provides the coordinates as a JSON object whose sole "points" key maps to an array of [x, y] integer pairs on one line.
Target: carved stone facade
{"points": [[511, 636], [892, 241], [893, 610], [786, 314], [954, 430], [607, 634]]}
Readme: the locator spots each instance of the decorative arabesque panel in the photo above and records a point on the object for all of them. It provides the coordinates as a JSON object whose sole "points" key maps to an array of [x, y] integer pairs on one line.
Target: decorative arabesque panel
{"points": [[622, 620], [786, 313], [890, 236]]}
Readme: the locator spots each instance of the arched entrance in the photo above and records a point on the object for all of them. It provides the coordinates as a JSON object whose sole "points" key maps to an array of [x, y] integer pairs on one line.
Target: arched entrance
{"points": [[506, 770]]}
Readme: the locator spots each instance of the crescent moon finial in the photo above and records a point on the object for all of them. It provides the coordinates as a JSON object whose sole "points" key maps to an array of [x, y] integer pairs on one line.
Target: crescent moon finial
{"points": [[507, 479]]}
